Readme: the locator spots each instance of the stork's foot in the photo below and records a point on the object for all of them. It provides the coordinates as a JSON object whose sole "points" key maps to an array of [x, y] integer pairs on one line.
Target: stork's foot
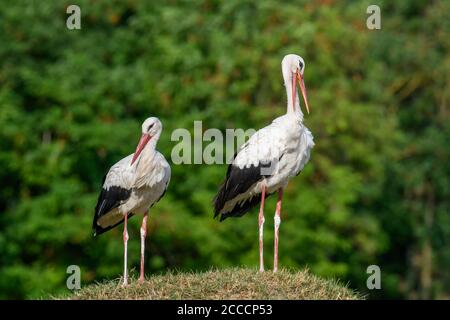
{"points": [[141, 279], [124, 282]]}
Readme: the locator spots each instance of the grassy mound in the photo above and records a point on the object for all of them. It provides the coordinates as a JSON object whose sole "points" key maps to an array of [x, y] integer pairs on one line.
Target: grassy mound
{"points": [[235, 283]]}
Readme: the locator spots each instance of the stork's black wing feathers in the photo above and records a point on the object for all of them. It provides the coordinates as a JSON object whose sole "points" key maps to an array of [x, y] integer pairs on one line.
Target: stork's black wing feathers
{"points": [[108, 199], [242, 208], [238, 181]]}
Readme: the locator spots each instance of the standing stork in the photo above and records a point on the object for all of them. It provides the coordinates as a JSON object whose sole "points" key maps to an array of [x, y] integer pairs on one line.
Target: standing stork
{"points": [[132, 186], [269, 159]]}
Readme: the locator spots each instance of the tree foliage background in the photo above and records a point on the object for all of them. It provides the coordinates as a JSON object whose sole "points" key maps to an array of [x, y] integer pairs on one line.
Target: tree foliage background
{"points": [[376, 190]]}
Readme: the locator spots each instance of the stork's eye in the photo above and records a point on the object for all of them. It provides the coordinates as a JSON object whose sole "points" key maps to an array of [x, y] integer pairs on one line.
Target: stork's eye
{"points": [[150, 126], [300, 65]]}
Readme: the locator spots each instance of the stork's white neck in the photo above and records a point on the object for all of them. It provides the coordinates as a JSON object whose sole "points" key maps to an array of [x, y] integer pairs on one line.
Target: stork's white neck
{"points": [[295, 109]]}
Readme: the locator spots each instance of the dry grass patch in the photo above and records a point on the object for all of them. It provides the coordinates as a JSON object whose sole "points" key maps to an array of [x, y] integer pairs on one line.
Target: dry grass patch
{"points": [[235, 283]]}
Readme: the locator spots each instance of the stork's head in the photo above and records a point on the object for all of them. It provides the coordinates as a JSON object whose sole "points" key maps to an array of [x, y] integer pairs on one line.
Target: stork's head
{"points": [[152, 126], [151, 129], [293, 68]]}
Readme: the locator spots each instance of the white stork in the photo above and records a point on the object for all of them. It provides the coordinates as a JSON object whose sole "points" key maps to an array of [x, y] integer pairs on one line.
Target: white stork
{"points": [[132, 186], [269, 159]]}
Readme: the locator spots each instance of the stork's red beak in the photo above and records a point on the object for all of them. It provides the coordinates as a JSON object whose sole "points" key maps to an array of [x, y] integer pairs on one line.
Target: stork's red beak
{"points": [[301, 83], [145, 138]]}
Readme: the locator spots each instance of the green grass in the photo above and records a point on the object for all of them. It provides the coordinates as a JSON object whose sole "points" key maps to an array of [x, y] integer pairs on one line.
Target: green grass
{"points": [[235, 283]]}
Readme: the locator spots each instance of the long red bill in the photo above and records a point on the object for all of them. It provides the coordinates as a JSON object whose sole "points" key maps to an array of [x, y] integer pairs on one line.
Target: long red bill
{"points": [[301, 83], [145, 138]]}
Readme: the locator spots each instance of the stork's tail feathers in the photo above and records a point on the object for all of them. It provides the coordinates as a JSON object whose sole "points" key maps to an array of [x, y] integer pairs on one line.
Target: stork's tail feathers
{"points": [[239, 209], [238, 182]]}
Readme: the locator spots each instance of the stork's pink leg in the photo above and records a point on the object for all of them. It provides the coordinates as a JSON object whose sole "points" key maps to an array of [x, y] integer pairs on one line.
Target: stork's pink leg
{"points": [[125, 245], [143, 236], [261, 231], [277, 220]]}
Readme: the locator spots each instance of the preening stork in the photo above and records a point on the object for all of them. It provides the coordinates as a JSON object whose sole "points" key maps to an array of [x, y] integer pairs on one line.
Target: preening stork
{"points": [[269, 159], [132, 186]]}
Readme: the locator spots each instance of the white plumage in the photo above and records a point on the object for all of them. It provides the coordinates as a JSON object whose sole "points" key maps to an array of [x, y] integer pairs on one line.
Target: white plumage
{"points": [[280, 150], [270, 158], [133, 188], [133, 185]]}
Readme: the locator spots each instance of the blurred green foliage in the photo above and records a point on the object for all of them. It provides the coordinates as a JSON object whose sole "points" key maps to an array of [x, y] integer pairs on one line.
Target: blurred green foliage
{"points": [[376, 190]]}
